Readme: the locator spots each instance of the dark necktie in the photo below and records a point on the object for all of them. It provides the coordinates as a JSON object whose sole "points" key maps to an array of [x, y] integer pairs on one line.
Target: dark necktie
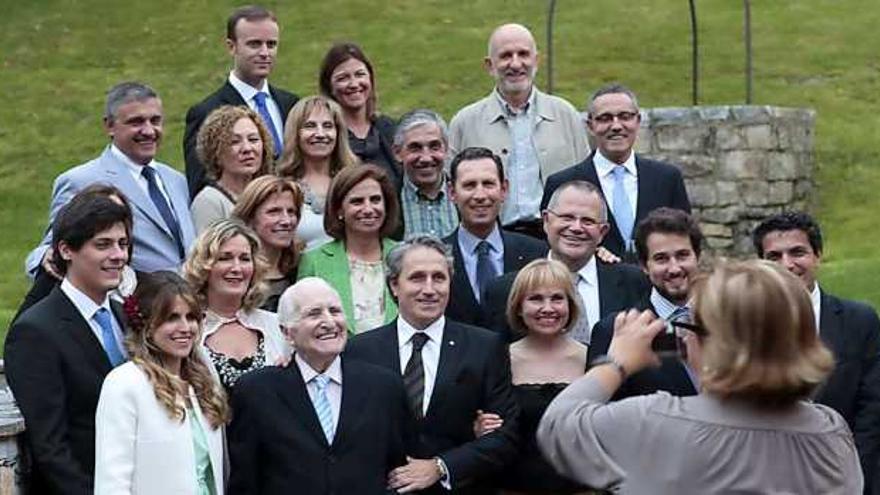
{"points": [[414, 375], [164, 208], [485, 268], [263, 110]]}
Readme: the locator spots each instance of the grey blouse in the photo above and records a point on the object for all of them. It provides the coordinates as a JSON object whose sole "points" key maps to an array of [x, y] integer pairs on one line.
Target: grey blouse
{"points": [[661, 444]]}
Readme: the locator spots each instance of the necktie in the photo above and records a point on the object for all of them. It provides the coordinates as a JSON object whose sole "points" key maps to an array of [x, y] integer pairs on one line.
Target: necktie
{"points": [[164, 208], [414, 375], [581, 330], [621, 208], [111, 345], [322, 407], [485, 267], [681, 313], [260, 100]]}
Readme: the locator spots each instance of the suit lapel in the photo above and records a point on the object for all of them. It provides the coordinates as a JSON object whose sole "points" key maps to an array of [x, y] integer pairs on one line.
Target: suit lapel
{"points": [[294, 394], [830, 331], [231, 96], [609, 286], [117, 173], [354, 395], [389, 347], [462, 286], [647, 189], [73, 323], [513, 258], [447, 367]]}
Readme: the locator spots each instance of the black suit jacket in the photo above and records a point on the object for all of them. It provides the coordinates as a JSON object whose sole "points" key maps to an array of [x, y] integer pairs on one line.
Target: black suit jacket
{"points": [[659, 184], [277, 446], [226, 95], [55, 366], [852, 331], [621, 286], [463, 307], [671, 376], [473, 373]]}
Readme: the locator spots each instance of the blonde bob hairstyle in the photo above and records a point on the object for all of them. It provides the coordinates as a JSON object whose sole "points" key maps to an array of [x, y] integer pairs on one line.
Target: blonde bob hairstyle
{"points": [[197, 268], [257, 192], [761, 344], [541, 274], [215, 137], [292, 161], [148, 308]]}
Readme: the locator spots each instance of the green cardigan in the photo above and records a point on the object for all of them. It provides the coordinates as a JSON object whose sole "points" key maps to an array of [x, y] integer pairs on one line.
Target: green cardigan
{"points": [[330, 262]]}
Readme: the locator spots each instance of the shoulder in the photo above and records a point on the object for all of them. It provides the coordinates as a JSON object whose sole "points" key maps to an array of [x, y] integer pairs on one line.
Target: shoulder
{"points": [[83, 171], [479, 335], [570, 173], [282, 93], [265, 319], [372, 337], [169, 171], [471, 111], [127, 377], [556, 104], [261, 382], [621, 270], [524, 242], [854, 310], [384, 124], [365, 371], [210, 102], [657, 166]]}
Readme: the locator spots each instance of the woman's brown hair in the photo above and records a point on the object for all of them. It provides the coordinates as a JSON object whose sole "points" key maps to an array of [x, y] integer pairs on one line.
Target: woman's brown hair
{"points": [[345, 182]]}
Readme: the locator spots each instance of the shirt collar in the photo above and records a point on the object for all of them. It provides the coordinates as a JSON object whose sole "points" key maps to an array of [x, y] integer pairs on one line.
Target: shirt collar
{"points": [[412, 189], [468, 242], [588, 273], [247, 91], [662, 306], [816, 300], [137, 167], [504, 108], [405, 331], [334, 371], [604, 166], [83, 303], [248, 319]]}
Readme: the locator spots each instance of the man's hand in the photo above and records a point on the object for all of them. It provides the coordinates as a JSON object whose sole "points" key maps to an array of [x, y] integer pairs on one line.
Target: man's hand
{"points": [[49, 265], [417, 474]]}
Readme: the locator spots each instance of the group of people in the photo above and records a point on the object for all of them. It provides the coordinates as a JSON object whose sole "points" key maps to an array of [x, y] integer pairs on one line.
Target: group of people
{"points": [[332, 301]]}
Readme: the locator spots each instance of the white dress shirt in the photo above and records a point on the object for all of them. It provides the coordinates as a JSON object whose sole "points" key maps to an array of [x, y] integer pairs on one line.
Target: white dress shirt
{"points": [[87, 308], [588, 288], [430, 352], [248, 92], [605, 171], [136, 171], [334, 386], [816, 299]]}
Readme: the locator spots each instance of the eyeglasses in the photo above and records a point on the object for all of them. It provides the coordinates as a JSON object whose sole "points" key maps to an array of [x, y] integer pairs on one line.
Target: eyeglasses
{"points": [[569, 219], [608, 117]]}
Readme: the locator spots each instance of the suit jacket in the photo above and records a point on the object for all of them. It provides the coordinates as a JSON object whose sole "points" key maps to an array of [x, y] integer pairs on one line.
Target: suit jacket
{"points": [[55, 367], [659, 184], [154, 245], [226, 95], [277, 446], [852, 331], [473, 373], [621, 286], [139, 448], [330, 262], [519, 250], [671, 376]]}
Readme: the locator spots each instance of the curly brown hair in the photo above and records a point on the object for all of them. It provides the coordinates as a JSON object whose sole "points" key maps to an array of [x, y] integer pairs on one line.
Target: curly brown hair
{"points": [[292, 161], [215, 136]]}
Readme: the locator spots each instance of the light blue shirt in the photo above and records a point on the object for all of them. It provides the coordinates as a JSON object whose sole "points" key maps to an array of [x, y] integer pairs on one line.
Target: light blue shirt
{"points": [[87, 308], [523, 168], [248, 92], [467, 243], [605, 171]]}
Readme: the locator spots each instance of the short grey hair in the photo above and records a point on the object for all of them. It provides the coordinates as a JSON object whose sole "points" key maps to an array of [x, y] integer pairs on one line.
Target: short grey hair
{"points": [[126, 92], [288, 304], [611, 89], [417, 118], [394, 259], [585, 188]]}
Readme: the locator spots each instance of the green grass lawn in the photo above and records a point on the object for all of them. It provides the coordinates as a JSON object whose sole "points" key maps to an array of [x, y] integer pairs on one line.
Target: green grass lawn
{"points": [[60, 56]]}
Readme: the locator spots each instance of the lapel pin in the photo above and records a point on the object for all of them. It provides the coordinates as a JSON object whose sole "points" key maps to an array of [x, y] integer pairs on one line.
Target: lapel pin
{"points": [[451, 342]]}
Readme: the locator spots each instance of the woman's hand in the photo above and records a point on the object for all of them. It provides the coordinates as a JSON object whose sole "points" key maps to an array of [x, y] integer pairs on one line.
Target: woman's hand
{"points": [[631, 344], [486, 423]]}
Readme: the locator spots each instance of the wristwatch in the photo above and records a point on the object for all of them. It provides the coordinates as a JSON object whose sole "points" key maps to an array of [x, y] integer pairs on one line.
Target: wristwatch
{"points": [[444, 474], [606, 359]]}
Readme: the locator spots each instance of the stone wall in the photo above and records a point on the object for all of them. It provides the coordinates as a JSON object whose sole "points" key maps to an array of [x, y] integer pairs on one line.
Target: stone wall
{"points": [[740, 163]]}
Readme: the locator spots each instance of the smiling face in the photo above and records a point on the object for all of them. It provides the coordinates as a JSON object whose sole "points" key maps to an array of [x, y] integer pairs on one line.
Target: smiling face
{"points": [[96, 267], [351, 84], [422, 154], [176, 335], [363, 209], [136, 129], [575, 227], [319, 332], [244, 155], [614, 122], [513, 59], [275, 221], [422, 288], [479, 193], [253, 50], [671, 265], [792, 249], [317, 135], [544, 310], [232, 270]]}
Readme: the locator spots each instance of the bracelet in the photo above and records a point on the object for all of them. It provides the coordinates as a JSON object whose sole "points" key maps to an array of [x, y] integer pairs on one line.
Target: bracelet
{"points": [[613, 362]]}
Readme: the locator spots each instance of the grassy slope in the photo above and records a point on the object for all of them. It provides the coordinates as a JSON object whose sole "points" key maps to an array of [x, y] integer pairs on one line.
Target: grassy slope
{"points": [[61, 55]]}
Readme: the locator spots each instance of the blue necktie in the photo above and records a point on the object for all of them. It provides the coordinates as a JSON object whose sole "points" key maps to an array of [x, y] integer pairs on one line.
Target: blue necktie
{"points": [[623, 213], [485, 268], [322, 407], [111, 345], [260, 100], [164, 208]]}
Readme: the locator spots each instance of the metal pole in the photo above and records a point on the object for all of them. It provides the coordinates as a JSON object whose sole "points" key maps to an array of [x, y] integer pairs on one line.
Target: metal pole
{"points": [[695, 55], [747, 34], [550, 16]]}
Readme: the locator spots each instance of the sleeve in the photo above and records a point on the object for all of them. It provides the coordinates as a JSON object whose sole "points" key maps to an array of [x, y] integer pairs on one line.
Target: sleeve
{"points": [[455, 135], [306, 266], [35, 375], [580, 143], [403, 428], [492, 451], [866, 425], [116, 435], [195, 172], [243, 436], [62, 191], [205, 210]]}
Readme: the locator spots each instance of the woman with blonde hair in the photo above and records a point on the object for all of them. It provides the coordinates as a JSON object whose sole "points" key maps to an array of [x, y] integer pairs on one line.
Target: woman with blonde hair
{"points": [[160, 416], [272, 207], [751, 430], [235, 147], [226, 274], [313, 154]]}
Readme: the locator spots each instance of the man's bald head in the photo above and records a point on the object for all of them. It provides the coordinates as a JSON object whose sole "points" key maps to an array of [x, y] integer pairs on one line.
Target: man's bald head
{"points": [[512, 60], [291, 302], [506, 31]]}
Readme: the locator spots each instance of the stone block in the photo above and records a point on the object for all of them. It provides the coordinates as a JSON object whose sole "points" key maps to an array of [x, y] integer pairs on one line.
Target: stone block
{"points": [[741, 164], [714, 113], [803, 190], [751, 114], [758, 213], [693, 165], [729, 137], [716, 230], [643, 142], [727, 215], [701, 192], [681, 138], [760, 137], [719, 243], [677, 115], [782, 166], [755, 192], [728, 192], [781, 192], [795, 136]]}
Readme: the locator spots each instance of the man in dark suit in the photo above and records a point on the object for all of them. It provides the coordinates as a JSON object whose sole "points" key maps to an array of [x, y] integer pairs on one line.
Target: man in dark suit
{"points": [[450, 371], [632, 185], [481, 250], [323, 423], [849, 328], [575, 220], [252, 41], [60, 349], [668, 243]]}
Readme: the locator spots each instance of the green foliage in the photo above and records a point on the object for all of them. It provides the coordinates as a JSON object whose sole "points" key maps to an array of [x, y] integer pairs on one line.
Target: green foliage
{"points": [[60, 56]]}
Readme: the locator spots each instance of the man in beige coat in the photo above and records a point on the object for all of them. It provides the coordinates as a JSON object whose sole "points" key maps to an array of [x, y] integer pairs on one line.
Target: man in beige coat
{"points": [[534, 133]]}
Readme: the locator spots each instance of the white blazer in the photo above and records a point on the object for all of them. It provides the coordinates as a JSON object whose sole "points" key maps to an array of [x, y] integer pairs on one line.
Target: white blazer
{"points": [[139, 449]]}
